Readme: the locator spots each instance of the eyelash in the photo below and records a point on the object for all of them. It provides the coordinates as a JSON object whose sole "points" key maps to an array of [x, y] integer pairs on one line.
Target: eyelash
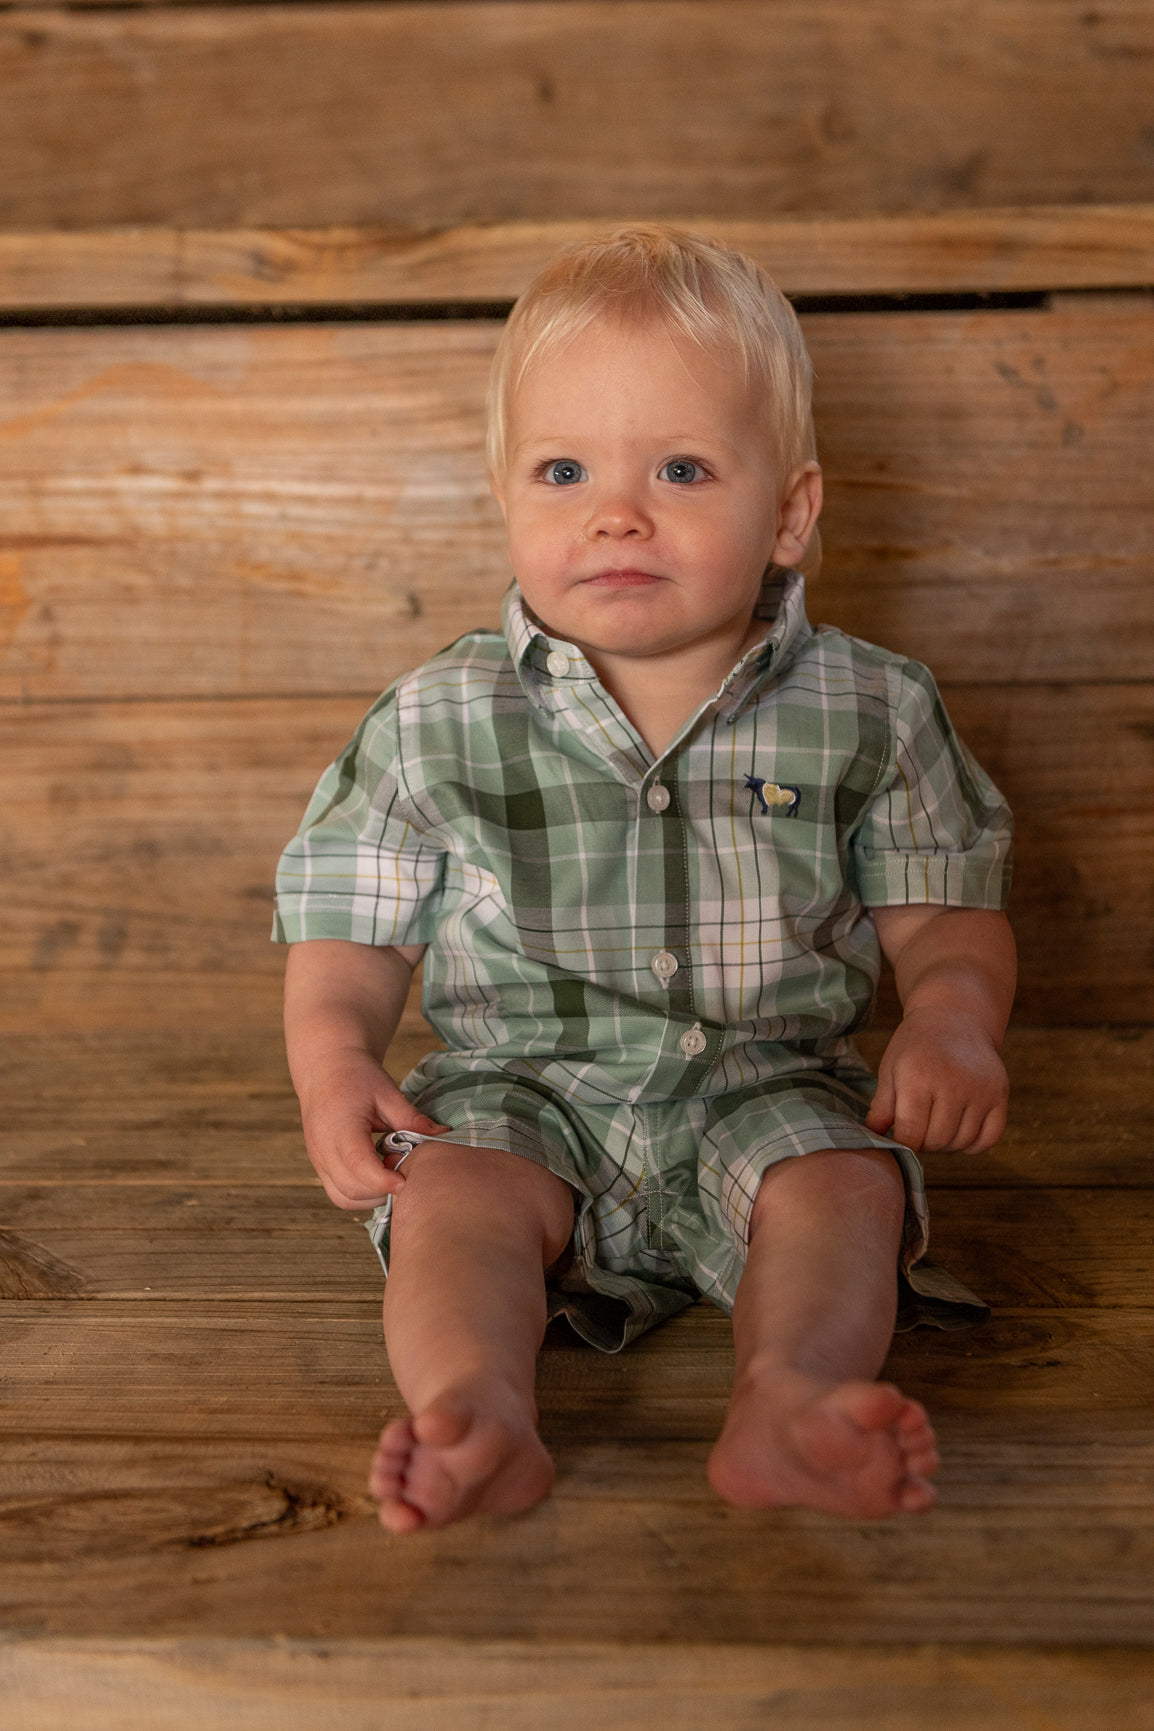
{"points": [[542, 471]]}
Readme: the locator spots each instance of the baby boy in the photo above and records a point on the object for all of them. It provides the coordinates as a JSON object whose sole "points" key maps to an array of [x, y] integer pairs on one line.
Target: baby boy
{"points": [[651, 840]]}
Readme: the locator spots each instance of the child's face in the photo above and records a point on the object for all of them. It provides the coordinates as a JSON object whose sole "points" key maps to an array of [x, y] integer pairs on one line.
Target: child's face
{"points": [[642, 500]]}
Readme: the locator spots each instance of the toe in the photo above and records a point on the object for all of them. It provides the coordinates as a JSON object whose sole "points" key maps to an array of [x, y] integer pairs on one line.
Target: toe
{"points": [[871, 1405], [397, 1516], [916, 1495], [395, 1441], [385, 1482], [923, 1463], [394, 1452], [441, 1425], [914, 1419]]}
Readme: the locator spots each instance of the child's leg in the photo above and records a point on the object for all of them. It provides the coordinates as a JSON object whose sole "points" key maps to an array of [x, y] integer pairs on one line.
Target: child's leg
{"points": [[472, 1233], [807, 1424]]}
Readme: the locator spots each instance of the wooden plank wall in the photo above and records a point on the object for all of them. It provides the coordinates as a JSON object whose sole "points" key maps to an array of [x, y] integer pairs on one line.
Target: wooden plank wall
{"points": [[287, 114], [240, 487]]}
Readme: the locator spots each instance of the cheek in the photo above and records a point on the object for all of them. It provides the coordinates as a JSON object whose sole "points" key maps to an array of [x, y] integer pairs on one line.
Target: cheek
{"points": [[738, 537], [539, 542]]}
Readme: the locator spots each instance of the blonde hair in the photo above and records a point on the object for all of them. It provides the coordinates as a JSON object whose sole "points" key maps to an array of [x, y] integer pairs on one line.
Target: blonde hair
{"points": [[697, 288]]}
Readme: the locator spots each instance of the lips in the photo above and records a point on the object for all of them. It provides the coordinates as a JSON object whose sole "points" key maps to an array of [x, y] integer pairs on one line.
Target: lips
{"points": [[628, 578]]}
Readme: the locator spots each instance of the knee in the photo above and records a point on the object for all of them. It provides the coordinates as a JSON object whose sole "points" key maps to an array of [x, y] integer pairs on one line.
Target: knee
{"points": [[486, 1189], [865, 1183]]}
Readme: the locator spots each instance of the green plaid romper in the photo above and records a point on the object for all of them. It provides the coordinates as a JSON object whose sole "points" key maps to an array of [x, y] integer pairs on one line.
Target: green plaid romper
{"points": [[646, 972]]}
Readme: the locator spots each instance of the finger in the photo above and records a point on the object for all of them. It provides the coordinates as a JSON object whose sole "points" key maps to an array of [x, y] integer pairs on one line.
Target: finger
{"points": [[911, 1119], [993, 1125], [356, 1177], [943, 1125], [399, 1113], [968, 1131], [352, 1199], [423, 1125], [881, 1113]]}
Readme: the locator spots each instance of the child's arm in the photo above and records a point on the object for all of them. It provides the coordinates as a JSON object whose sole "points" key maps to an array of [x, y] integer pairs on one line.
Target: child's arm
{"points": [[941, 1084], [342, 1005]]}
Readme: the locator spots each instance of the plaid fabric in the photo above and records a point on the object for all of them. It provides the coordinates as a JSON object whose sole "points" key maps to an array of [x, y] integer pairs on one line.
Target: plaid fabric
{"points": [[634, 930], [665, 1193]]}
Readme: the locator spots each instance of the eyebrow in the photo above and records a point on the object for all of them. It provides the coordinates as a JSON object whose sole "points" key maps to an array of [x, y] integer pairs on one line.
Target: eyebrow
{"points": [[668, 441]]}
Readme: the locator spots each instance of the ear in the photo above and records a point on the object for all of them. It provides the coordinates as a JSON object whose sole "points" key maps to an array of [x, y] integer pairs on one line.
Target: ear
{"points": [[797, 516], [498, 491]]}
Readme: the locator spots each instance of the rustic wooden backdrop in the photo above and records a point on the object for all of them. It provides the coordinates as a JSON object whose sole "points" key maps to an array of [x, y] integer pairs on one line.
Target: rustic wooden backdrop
{"points": [[286, 114], [252, 265]]}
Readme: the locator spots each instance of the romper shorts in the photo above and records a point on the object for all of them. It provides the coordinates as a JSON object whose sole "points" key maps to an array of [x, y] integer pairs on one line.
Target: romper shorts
{"points": [[664, 1192]]}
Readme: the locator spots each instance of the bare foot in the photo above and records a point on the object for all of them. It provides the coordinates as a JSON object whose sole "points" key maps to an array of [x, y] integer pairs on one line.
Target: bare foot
{"points": [[854, 1448], [457, 1458]]}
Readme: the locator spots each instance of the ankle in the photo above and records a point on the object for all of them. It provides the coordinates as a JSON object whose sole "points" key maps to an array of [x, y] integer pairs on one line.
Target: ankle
{"points": [[486, 1391], [763, 1370]]}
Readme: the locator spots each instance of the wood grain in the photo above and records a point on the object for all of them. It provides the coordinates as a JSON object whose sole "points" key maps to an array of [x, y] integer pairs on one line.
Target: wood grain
{"points": [[170, 1003], [216, 1109], [1076, 765], [149, 835], [1030, 248], [290, 1685], [258, 1536], [299, 1370], [238, 511], [317, 114], [982, 559], [1025, 1249]]}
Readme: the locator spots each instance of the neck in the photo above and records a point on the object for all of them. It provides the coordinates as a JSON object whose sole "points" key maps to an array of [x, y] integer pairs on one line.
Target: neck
{"points": [[658, 696]]}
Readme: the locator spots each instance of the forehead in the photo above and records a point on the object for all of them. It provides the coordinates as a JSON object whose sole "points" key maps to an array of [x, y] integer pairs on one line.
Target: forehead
{"points": [[642, 369]]}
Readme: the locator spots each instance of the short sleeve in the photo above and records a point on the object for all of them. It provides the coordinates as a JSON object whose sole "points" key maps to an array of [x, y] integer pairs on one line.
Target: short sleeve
{"points": [[938, 832], [364, 866]]}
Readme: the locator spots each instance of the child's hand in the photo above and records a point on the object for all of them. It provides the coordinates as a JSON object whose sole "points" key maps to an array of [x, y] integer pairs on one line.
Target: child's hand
{"points": [[350, 1103], [941, 1085]]}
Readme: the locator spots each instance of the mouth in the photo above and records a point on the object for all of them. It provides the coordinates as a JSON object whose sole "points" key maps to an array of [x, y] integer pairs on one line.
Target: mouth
{"points": [[627, 578]]}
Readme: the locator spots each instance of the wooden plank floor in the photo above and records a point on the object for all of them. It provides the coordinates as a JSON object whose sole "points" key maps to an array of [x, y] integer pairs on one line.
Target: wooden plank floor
{"points": [[192, 1378]]}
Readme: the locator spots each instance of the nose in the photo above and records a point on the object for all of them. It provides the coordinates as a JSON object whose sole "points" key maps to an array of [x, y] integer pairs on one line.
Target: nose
{"points": [[617, 514]]}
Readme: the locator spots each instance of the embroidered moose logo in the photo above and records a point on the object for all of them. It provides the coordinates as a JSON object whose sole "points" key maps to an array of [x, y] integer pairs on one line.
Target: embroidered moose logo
{"points": [[769, 793]]}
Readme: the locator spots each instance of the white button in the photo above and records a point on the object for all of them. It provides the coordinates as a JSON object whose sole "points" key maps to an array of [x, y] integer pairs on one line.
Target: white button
{"points": [[657, 799], [664, 966], [693, 1042], [557, 663]]}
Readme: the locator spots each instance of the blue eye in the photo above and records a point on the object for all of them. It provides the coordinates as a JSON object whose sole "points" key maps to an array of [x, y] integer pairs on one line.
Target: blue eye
{"points": [[682, 470], [565, 472]]}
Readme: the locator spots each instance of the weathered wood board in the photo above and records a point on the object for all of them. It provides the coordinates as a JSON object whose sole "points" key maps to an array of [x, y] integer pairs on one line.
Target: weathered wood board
{"points": [[421, 1683], [313, 114], [248, 1538], [217, 1109], [300, 1370], [1024, 250], [250, 511], [1031, 1248]]}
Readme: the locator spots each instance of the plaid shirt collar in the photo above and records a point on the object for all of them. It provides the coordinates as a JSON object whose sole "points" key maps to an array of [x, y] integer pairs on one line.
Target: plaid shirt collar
{"points": [[781, 606]]}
